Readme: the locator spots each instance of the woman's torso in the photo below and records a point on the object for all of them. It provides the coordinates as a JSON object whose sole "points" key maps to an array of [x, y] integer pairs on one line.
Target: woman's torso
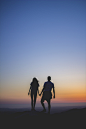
{"points": [[34, 87]]}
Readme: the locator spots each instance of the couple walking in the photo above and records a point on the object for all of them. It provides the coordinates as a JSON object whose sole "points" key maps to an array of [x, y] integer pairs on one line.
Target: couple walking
{"points": [[47, 95]]}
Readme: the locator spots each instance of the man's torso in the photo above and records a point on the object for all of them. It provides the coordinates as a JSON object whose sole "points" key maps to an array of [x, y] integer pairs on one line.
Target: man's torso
{"points": [[48, 86]]}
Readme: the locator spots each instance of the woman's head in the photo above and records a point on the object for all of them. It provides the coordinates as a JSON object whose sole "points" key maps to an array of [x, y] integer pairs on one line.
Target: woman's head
{"points": [[35, 79]]}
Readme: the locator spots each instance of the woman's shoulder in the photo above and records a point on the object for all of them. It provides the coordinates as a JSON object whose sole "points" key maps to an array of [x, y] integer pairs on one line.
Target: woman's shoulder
{"points": [[38, 85], [31, 83]]}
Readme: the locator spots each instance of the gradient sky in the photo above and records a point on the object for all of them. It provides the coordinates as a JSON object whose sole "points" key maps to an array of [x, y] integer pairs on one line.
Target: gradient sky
{"points": [[41, 38]]}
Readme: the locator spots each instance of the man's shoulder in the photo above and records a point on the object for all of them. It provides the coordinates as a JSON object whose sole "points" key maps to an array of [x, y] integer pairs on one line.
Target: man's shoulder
{"points": [[49, 82], [52, 83], [45, 83]]}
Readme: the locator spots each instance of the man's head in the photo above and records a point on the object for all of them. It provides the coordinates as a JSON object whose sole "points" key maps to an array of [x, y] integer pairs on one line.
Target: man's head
{"points": [[48, 78]]}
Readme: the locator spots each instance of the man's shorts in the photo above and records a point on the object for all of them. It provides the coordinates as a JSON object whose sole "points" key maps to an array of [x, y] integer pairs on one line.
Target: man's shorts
{"points": [[47, 95]]}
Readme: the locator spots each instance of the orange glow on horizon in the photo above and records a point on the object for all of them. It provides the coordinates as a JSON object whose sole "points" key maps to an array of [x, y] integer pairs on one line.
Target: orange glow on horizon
{"points": [[58, 98], [62, 94]]}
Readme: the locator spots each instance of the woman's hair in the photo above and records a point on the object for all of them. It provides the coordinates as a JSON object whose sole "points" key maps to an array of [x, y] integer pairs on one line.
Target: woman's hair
{"points": [[35, 80]]}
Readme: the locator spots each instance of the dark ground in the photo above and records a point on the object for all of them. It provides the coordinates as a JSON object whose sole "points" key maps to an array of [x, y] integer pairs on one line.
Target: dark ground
{"points": [[71, 119]]}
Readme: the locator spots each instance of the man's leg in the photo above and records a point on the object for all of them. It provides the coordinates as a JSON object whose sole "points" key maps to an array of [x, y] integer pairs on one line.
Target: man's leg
{"points": [[44, 110], [49, 106]]}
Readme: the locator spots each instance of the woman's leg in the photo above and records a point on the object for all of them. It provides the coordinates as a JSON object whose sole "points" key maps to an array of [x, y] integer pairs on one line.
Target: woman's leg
{"points": [[32, 100], [35, 96]]}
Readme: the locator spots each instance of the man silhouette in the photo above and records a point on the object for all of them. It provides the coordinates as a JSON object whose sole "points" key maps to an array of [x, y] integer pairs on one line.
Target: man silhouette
{"points": [[47, 95]]}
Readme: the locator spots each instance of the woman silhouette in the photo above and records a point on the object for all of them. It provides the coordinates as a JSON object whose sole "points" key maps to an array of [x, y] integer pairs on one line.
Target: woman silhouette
{"points": [[33, 88]]}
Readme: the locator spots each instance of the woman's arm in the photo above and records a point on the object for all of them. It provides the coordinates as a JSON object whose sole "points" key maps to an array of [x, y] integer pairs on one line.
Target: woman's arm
{"points": [[38, 90], [29, 90]]}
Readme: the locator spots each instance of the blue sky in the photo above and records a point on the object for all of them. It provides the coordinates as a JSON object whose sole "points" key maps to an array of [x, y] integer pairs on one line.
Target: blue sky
{"points": [[41, 38]]}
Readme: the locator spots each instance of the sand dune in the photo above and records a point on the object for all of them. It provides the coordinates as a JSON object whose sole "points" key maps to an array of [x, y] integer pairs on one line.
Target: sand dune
{"points": [[74, 118]]}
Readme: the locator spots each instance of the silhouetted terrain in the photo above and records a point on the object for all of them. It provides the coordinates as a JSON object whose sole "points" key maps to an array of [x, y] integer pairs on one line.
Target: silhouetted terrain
{"points": [[74, 118]]}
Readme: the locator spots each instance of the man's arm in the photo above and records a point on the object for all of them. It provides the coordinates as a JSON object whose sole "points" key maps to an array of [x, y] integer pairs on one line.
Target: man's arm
{"points": [[42, 91], [53, 92]]}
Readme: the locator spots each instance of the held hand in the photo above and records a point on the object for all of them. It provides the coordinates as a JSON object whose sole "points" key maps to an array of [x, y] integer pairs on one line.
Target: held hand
{"points": [[54, 96], [39, 94]]}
